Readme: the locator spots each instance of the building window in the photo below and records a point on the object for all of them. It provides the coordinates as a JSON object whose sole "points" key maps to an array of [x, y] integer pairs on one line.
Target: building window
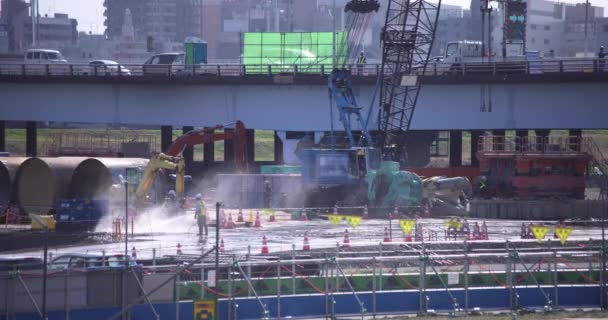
{"points": [[547, 41], [533, 26], [547, 28]]}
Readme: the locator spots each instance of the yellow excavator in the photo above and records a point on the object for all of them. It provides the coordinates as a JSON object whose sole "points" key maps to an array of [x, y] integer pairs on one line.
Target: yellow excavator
{"points": [[174, 161], [158, 162]]}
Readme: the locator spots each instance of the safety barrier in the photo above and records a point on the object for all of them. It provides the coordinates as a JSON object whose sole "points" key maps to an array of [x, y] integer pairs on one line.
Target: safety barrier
{"points": [[238, 70]]}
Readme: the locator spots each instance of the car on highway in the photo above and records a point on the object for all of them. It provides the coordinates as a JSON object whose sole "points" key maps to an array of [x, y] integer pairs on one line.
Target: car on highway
{"points": [[44, 56], [165, 64], [88, 261], [107, 68]]}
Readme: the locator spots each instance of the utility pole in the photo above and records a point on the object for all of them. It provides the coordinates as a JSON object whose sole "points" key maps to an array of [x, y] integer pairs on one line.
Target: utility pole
{"points": [[586, 27], [33, 6], [333, 24]]}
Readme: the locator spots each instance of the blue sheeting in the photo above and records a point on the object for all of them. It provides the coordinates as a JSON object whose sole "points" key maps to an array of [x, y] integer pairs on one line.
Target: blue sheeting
{"points": [[346, 303]]}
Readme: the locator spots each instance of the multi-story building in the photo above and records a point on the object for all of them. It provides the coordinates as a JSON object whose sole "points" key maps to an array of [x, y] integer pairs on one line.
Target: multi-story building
{"points": [[15, 15], [57, 32], [583, 30], [165, 20]]}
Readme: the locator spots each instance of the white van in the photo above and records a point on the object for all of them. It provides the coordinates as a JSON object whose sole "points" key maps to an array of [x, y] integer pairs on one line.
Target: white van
{"points": [[44, 56]]}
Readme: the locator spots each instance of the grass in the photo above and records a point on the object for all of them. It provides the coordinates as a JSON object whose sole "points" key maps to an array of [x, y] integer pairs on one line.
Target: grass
{"points": [[15, 141], [264, 141]]}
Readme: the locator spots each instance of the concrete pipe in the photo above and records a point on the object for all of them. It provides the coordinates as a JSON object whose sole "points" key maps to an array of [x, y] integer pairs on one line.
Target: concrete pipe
{"points": [[40, 182], [94, 177], [8, 170]]}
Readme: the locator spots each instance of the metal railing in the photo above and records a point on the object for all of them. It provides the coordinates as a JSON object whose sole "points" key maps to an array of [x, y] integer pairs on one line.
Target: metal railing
{"points": [[535, 144], [239, 70]]}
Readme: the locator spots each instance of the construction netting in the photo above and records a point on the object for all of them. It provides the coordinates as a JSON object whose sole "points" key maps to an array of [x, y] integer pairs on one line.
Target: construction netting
{"points": [[283, 50]]}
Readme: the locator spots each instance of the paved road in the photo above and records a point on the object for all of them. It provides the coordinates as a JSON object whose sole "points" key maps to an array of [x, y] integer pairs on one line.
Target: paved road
{"points": [[156, 230]]}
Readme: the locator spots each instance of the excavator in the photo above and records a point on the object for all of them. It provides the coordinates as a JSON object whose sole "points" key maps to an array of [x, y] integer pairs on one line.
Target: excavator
{"points": [[173, 160]]}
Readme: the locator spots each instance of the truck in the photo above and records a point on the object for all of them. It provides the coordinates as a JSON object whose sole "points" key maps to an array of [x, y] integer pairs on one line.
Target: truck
{"points": [[469, 56]]}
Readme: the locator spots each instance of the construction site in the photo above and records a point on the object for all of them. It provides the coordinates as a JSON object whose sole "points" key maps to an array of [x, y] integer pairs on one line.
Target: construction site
{"points": [[367, 220]]}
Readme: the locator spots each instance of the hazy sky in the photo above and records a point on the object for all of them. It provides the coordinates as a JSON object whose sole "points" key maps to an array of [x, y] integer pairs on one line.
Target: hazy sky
{"points": [[90, 12]]}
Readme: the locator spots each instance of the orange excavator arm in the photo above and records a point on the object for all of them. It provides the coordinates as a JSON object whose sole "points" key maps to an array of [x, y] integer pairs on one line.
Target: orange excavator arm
{"points": [[203, 136]]}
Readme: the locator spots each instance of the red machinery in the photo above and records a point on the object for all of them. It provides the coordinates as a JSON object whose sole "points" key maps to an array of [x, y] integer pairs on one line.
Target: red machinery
{"points": [[195, 137], [533, 167]]}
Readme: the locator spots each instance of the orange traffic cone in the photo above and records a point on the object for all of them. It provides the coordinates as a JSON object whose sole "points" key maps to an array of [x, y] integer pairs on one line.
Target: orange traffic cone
{"points": [[258, 223], [240, 217], [179, 249], [187, 204], [222, 250], [133, 253], [346, 242], [386, 238], [303, 216], [306, 246], [264, 245]]}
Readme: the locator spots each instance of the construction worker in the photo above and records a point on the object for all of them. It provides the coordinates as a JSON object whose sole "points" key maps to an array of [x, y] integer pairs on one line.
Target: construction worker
{"points": [[361, 63], [200, 214], [267, 194]]}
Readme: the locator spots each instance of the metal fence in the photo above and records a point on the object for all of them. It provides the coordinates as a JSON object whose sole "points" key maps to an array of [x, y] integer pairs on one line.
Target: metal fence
{"points": [[448, 277], [239, 70]]}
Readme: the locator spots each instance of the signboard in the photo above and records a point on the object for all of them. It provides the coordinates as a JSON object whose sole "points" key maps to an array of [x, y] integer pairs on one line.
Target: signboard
{"points": [[453, 278], [515, 21], [204, 310], [211, 279]]}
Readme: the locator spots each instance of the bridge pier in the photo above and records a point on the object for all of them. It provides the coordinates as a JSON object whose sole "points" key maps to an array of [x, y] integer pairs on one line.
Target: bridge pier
{"points": [[475, 135], [228, 148], [520, 135], [188, 152], [250, 140], [209, 152], [31, 139], [278, 149], [166, 138], [544, 133], [456, 148], [419, 147], [2, 136]]}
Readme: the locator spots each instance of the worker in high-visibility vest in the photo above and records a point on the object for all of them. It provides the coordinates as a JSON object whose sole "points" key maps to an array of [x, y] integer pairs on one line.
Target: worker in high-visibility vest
{"points": [[361, 63], [200, 214]]}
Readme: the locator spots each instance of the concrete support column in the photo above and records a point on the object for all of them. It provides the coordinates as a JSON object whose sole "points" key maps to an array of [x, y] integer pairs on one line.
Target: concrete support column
{"points": [[456, 148], [188, 152], [542, 140], [228, 148], [576, 136], [166, 138], [31, 143], [2, 136], [475, 135], [278, 149], [250, 140], [522, 140], [575, 133], [542, 132], [209, 152], [419, 147], [499, 139]]}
